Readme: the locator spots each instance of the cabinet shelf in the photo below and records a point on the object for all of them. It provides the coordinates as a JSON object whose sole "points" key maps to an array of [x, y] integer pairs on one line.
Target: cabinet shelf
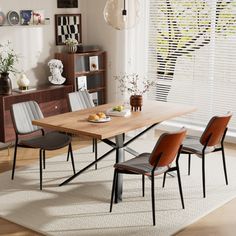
{"points": [[77, 65], [89, 72]]}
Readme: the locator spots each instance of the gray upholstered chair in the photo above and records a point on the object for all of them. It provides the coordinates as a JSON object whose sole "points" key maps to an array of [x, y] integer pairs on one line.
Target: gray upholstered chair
{"points": [[80, 100], [152, 164], [211, 140], [22, 115]]}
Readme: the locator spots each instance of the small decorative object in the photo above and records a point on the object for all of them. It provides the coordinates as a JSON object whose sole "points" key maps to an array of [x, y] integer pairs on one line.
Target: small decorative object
{"points": [[2, 18], [93, 63], [68, 26], [23, 82], [67, 3], [122, 14], [8, 60], [13, 18], [56, 68], [71, 45], [38, 17], [26, 17], [136, 87]]}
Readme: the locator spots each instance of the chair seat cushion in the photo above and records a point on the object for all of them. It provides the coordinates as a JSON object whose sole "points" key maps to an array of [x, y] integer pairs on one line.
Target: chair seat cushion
{"points": [[140, 165], [50, 141], [192, 145]]}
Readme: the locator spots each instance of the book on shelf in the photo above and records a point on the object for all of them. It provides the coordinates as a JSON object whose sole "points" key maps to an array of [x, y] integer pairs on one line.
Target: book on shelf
{"points": [[94, 97], [93, 63], [81, 83], [17, 90]]}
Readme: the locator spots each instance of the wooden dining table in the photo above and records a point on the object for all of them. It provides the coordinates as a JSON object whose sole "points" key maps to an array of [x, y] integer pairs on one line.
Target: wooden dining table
{"points": [[153, 113]]}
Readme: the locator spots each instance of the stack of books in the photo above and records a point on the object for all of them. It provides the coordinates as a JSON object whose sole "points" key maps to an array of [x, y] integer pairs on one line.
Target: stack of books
{"points": [[125, 112]]}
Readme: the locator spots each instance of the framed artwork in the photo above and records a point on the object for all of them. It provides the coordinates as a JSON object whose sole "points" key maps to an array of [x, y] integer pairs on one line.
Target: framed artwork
{"points": [[26, 17], [67, 3], [68, 26]]}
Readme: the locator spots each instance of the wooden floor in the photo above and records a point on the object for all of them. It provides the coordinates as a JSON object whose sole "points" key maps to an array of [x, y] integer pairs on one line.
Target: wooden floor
{"points": [[219, 222]]}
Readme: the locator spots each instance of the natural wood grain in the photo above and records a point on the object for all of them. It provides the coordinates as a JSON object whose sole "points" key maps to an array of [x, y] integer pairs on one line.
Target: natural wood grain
{"points": [[77, 123]]}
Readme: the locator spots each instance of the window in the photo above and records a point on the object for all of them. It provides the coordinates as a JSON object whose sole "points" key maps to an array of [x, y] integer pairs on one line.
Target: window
{"points": [[192, 56]]}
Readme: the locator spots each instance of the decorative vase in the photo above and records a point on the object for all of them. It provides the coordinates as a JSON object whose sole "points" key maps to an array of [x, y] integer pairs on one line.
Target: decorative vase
{"points": [[72, 48], [5, 84], [23, 82], [136, 102]]}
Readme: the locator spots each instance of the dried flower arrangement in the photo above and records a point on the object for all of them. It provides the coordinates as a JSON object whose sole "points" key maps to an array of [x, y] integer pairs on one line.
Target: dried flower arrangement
{"points": [[134, 84]]}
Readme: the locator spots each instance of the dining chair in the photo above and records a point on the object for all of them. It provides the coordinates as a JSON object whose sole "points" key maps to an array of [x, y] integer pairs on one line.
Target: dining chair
{"points": [[159, 161], [80, 100], [211, 140], [22, 115]]}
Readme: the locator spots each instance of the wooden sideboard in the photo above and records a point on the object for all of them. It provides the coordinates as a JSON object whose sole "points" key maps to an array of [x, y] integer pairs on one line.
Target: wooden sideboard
{"points": [[52, 100]]}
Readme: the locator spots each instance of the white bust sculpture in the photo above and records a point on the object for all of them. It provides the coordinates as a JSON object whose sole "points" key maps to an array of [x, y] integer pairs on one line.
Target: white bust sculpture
{"points": [[56, 68]]}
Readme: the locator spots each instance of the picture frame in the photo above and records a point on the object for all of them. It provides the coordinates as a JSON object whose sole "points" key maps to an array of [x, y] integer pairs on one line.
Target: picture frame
{"points": [[93, 63], [68, 26], [67, 3], [81, 83]]}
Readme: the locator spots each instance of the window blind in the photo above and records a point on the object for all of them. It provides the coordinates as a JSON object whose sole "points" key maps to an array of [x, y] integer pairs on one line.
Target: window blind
{"points": [[192, 56]]}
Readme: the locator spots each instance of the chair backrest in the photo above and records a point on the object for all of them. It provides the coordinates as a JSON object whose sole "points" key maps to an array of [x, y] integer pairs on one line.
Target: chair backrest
{"points": [[167, 146], [80, 100], [216, 128], [22, 115]]}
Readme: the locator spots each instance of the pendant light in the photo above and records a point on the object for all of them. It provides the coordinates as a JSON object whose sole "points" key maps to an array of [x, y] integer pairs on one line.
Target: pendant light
{"points": [[122, 14]]}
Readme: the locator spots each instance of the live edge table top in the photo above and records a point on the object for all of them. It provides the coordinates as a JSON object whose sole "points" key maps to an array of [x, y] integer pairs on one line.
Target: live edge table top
{"points": [[76, 122]]}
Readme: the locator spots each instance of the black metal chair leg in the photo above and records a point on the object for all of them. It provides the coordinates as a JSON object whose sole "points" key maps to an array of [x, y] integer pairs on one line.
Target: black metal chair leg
{"points": [[143, 184], [72, 157], [14, 161], [96, 152], [189, 163], [153, 200], [203, 175], [164, 180], [224, 165], [68, 154], [40, 168], [44, 160], [180, 187], [113, 188]]}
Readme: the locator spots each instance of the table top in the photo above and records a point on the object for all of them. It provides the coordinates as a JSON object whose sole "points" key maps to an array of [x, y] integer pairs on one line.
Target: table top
{"points": [[77, 123]]}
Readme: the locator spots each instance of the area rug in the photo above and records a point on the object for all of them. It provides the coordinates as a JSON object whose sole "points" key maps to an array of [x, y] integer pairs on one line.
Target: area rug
{"points": [[82, 206]]}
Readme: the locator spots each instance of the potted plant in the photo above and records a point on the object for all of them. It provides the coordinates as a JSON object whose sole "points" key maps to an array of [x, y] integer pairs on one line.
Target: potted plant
{"points": [[8, 61], [71, 45], [136, 86]]}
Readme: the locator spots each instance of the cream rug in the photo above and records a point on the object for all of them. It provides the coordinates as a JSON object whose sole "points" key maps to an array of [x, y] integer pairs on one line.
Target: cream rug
{"points": [[82, 207]]}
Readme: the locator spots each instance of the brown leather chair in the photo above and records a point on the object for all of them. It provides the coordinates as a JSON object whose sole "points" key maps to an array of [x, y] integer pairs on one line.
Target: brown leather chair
{"points": [[151, 164], [211, 140]]}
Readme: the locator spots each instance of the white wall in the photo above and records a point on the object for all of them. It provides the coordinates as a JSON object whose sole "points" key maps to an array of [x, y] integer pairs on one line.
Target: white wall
{"points": [[111, 40], [36, 44]]}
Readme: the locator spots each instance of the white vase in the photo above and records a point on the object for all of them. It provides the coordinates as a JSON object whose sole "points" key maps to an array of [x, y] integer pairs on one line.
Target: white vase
{"points": [[72, 48]]}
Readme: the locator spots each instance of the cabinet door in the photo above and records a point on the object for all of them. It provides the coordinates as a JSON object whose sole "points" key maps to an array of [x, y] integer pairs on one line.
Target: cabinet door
{"points": [[95, 81]]}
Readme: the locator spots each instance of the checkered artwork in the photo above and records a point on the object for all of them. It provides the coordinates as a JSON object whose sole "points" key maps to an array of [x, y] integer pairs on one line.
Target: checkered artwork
{"points": [[68, 26]]}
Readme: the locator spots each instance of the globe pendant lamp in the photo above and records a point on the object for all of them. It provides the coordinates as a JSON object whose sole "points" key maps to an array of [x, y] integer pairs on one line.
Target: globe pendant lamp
{"points": [[122, 14]]}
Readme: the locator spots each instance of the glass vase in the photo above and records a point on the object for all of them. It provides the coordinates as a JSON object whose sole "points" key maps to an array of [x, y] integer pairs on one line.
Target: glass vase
{"points": [[5, 84]]}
